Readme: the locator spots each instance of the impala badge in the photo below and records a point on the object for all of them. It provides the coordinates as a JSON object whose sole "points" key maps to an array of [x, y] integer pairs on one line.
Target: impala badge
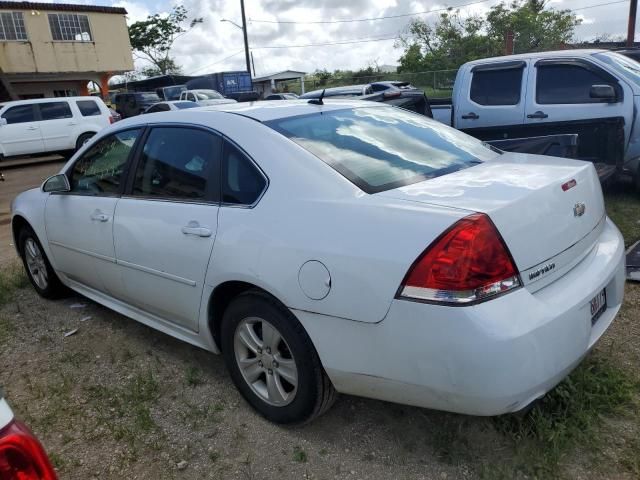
{"points": [[579, 209]]}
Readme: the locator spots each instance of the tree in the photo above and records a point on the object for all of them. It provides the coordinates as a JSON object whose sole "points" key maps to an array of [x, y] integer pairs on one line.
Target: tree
{"points": [[452, 40], [154, 37]]}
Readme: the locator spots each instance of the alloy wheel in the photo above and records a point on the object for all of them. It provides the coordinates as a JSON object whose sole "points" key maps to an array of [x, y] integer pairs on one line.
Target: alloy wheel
{"points": [[35, 263], [265, 361]]}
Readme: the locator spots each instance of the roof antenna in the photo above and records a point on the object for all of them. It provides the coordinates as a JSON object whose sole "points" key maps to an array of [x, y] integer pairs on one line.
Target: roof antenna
{"points": [[318, 101]]}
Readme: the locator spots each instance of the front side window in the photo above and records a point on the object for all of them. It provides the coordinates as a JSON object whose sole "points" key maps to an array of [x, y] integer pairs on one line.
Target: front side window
{"points": [[497, 87], [242, 182], [70, 27], [12, 26], [567, 84], [179, 163], [88, 108], [19, 114], [54, 110], [99, 171], [381, 148]]}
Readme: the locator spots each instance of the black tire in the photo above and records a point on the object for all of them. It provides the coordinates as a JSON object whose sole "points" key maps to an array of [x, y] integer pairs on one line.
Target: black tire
{"points": [[82, 139], [314, 394], [54, 287]]}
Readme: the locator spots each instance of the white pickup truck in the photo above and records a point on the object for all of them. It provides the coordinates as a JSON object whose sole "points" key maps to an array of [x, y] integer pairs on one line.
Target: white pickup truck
{"points": [[592, 93]]}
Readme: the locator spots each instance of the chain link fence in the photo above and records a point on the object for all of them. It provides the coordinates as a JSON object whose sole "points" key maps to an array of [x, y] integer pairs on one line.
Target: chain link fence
{"points": [[436, 83]]}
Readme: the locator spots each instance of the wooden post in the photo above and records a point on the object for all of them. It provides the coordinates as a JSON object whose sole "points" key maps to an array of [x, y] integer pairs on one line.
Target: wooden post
{"points": [[631, 29]]}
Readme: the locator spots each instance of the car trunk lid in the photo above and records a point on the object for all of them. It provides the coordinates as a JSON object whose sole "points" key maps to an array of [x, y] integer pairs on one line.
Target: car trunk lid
{"points": [[542, 206]]}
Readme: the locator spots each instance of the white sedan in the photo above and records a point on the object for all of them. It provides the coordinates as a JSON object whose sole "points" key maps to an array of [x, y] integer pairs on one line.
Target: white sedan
{"points": [[343, 246]]}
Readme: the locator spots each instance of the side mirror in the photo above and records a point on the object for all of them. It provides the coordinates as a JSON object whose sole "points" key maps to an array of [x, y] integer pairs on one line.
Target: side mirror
{"points": [[605, 93], [57, 183], [3, 121]]}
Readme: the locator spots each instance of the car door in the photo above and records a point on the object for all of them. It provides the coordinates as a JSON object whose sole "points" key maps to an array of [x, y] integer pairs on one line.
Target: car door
{"points": [[21, 134], [560, 101], [166, 225], [57, 125], [493, 104], [79, 223]]}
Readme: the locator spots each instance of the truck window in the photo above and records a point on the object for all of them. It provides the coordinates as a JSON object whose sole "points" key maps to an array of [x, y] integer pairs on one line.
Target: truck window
{"points": [[564, 83], [497, 87]]}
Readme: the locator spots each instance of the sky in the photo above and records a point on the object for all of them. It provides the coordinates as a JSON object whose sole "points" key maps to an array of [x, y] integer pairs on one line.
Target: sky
{"points": [[218, 46]]}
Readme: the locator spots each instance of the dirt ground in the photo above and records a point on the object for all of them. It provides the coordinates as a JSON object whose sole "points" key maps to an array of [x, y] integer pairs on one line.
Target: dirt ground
{"points": [[118, 400], [18, 180]]}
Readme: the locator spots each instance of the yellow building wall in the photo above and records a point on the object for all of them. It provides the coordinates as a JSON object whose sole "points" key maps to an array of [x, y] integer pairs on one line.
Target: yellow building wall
{"points": [[110, 50]]}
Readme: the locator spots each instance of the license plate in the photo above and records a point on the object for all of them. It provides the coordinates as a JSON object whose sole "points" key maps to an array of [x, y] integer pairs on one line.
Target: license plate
{"points": [[598, 306]]}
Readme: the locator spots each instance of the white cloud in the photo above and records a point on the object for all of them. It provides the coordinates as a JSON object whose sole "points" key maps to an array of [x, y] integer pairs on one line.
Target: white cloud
{"points": [[205, 48]]}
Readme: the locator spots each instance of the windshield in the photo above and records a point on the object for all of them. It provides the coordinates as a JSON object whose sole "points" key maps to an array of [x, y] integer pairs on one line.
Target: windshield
{"points": [[207, 95], [625, 66], [381, 148], [148, 97]]}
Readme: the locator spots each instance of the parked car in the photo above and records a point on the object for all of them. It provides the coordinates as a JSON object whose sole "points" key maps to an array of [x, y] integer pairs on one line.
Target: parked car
{"points": [[631, 52], [351, 246], [170, 106], [21, 454], [50, 125], [204, 97], [171, 93], [131, 104], [115, 116], [592, 93], [281, 96], [399, 94]]}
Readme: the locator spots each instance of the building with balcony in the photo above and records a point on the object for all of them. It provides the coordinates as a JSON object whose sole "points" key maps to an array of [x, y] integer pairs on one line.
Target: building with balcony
{"points": [[52, 50]]}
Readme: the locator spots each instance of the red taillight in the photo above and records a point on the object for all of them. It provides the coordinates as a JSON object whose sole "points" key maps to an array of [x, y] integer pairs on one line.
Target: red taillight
{"points": [[111, 120], [467, 263], [21, 455]]}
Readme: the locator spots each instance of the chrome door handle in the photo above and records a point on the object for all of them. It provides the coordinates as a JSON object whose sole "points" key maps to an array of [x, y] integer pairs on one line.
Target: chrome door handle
{"points": [[32, 128], [538, 114], [194, 228], [471, 116], [98, 216]]}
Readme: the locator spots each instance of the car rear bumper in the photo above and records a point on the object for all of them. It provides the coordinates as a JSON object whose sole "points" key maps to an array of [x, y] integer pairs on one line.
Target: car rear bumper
{"points": [[492, 358]]}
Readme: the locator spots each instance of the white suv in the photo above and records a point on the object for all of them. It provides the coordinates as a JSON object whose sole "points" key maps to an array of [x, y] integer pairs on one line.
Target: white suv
{"points": [[50, 124]]}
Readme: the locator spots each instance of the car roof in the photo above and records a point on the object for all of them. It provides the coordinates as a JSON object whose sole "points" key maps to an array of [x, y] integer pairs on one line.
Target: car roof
{"points": [[259, 110], [528, 56], [47, 100]]}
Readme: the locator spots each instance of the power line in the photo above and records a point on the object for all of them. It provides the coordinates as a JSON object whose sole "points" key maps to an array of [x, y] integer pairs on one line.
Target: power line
{"points": [[401, 15], [345, 42], [598, 5], [215, 63]]}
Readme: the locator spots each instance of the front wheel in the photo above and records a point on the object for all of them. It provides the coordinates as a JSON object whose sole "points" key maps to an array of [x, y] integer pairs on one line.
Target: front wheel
{"points": [[272, 360], [39, 270]]}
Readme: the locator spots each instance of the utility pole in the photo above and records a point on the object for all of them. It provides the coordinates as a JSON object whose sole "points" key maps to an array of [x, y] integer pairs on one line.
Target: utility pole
{"points": [[246, 40], [631, 30]]}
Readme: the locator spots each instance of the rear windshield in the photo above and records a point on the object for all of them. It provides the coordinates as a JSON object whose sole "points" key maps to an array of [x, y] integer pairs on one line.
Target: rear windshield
{"points": [[148, 97], [381, 148]]}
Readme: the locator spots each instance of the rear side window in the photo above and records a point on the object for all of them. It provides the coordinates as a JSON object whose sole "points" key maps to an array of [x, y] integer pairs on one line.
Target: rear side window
{"points": [[55, 110], [242, 182], [99, 171], [380, 148], [88, 108], [179, 163], [19, 114], [564, 84], [497, 87]]}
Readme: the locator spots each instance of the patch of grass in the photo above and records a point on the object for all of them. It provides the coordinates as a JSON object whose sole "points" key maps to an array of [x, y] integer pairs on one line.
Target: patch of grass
{"points": [[194, 377], [77, 359], [630, 458], [6, 328], [623, 207], [567, 417], [12, 277], [214, 456], [57, 460], [299, 455]]}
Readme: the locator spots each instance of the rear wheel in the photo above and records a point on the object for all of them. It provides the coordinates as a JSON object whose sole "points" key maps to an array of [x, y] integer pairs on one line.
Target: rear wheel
{"points": [[82, 139], [39, 270], [272, 360]]}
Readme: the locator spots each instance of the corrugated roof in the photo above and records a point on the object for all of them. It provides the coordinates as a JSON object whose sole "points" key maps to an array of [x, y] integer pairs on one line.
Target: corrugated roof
{"points": [[60, 7]]}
